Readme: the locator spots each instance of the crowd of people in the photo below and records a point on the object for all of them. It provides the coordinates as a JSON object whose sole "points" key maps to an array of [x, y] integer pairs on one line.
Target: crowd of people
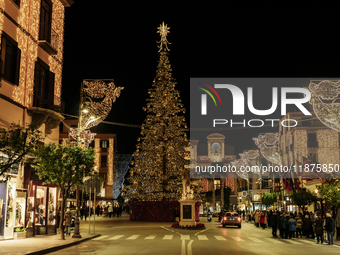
{"points": [[296, 225], [102, 210]]}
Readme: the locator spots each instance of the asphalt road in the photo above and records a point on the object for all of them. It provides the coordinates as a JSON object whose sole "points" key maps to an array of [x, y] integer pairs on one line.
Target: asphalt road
{"points": [[125, 237]]}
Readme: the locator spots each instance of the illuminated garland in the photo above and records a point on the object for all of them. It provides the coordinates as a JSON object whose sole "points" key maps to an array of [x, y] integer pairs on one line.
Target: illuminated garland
{"points": [[98, 110], [27, 38], [268, 144], [110, 163], [323, 98]]}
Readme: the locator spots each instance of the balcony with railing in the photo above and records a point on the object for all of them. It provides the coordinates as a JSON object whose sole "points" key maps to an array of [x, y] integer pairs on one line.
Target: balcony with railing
{"points": [[50, 46]]}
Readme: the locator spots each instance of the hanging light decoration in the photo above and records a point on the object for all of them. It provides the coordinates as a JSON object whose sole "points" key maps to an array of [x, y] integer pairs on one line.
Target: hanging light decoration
{"points": [[268, 144], [251, 158], [323, 98], [238, 164], [96, 103]]}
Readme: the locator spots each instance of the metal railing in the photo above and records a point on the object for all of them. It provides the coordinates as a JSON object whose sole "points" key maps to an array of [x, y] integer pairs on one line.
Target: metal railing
{"points": [[54, 39]]}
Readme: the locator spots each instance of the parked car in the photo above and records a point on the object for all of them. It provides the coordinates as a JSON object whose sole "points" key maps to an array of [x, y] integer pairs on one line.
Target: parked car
{"points": [[231, 218]]}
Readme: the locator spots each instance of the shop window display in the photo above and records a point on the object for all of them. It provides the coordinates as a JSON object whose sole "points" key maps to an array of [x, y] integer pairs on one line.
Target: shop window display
{"points": [[52, 206], [9, 216], [30, 207], [20, 209], [3, 194], [40, 206]]}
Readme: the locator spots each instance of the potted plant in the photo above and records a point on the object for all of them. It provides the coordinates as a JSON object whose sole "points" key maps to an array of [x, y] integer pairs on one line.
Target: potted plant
{"points": [[19, 233]]}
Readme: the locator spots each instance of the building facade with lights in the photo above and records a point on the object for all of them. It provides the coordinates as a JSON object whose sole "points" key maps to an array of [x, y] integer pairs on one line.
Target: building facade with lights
{"points": [[32, 37], [310, 141], [215, 151]]}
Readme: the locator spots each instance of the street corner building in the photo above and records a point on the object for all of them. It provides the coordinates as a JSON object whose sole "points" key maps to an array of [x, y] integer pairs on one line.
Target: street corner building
{"points": [[32, 38]]}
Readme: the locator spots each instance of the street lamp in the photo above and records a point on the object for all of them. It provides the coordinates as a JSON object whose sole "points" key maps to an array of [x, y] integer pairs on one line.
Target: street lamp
{"points": [[96, 98]]}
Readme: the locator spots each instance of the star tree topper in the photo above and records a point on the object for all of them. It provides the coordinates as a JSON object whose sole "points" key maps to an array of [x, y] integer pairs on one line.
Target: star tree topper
{"points": [[163, 30]]}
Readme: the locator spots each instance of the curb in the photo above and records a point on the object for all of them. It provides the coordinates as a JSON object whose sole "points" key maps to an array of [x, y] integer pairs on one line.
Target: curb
{"points": [[57, 248]]}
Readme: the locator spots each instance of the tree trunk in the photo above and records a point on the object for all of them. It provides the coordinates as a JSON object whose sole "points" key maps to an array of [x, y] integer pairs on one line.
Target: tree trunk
{"points": [[62, 216], [336, 222]]}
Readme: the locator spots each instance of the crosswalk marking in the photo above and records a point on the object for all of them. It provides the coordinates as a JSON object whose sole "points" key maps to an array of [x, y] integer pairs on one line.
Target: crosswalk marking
{"points": [[116, 237], [185, 237], [168, 237], [150, 237], [202, 237], [254, 239], [273, 240], [99, 237], [236, 238], [208, 237], [220, 238], [133, 237]]}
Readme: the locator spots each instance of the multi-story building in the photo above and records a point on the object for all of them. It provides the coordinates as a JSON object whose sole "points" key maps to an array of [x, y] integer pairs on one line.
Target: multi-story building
{"points": [[215, 151], [104, 146], [309, 141], [31, 53]]}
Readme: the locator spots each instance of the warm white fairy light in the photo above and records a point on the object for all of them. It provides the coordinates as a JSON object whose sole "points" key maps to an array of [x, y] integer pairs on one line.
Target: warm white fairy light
{"points": [[323, 98], [97, 153], [238, 164], [328, 143], [96, 90], [110, 162], [27, 37], [163, 30], [268, 144], [85, 137]]}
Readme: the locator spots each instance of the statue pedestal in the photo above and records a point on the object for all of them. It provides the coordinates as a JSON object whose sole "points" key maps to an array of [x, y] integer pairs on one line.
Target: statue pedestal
{"points": [[187, 216]]}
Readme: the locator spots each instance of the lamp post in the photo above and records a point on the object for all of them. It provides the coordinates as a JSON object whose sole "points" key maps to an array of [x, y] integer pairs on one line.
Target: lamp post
{"points": [[91, 113]]}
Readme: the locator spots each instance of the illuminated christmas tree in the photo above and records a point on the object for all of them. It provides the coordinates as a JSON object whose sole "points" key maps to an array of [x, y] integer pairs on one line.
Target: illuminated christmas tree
{"points": [[159, 161]]}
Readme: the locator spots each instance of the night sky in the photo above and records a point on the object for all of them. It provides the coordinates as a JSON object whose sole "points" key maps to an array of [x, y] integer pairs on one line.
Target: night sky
{"points": [[111, 39]]}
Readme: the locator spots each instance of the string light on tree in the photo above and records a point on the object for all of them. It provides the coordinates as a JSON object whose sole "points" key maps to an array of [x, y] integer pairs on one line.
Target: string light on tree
{"points": [[160, 157]]}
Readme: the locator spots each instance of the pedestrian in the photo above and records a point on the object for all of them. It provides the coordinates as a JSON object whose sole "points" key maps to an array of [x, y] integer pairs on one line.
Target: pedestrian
{"points": [[101, 210], [81, 212], [318, 228], [68, 217], [257, 218], [110, 210], [306, 226], [270, 214], [86, 212], [262, 215], [312, 220], [283, 226], [330, 226], [299, 224], [98, 210], [274, 222], [291, 226], [325, 238]]}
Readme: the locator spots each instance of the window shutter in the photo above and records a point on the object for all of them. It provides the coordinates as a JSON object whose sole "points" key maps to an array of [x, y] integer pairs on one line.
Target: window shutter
{"points": [[50, 90], [3, 54], [17, 67]]}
